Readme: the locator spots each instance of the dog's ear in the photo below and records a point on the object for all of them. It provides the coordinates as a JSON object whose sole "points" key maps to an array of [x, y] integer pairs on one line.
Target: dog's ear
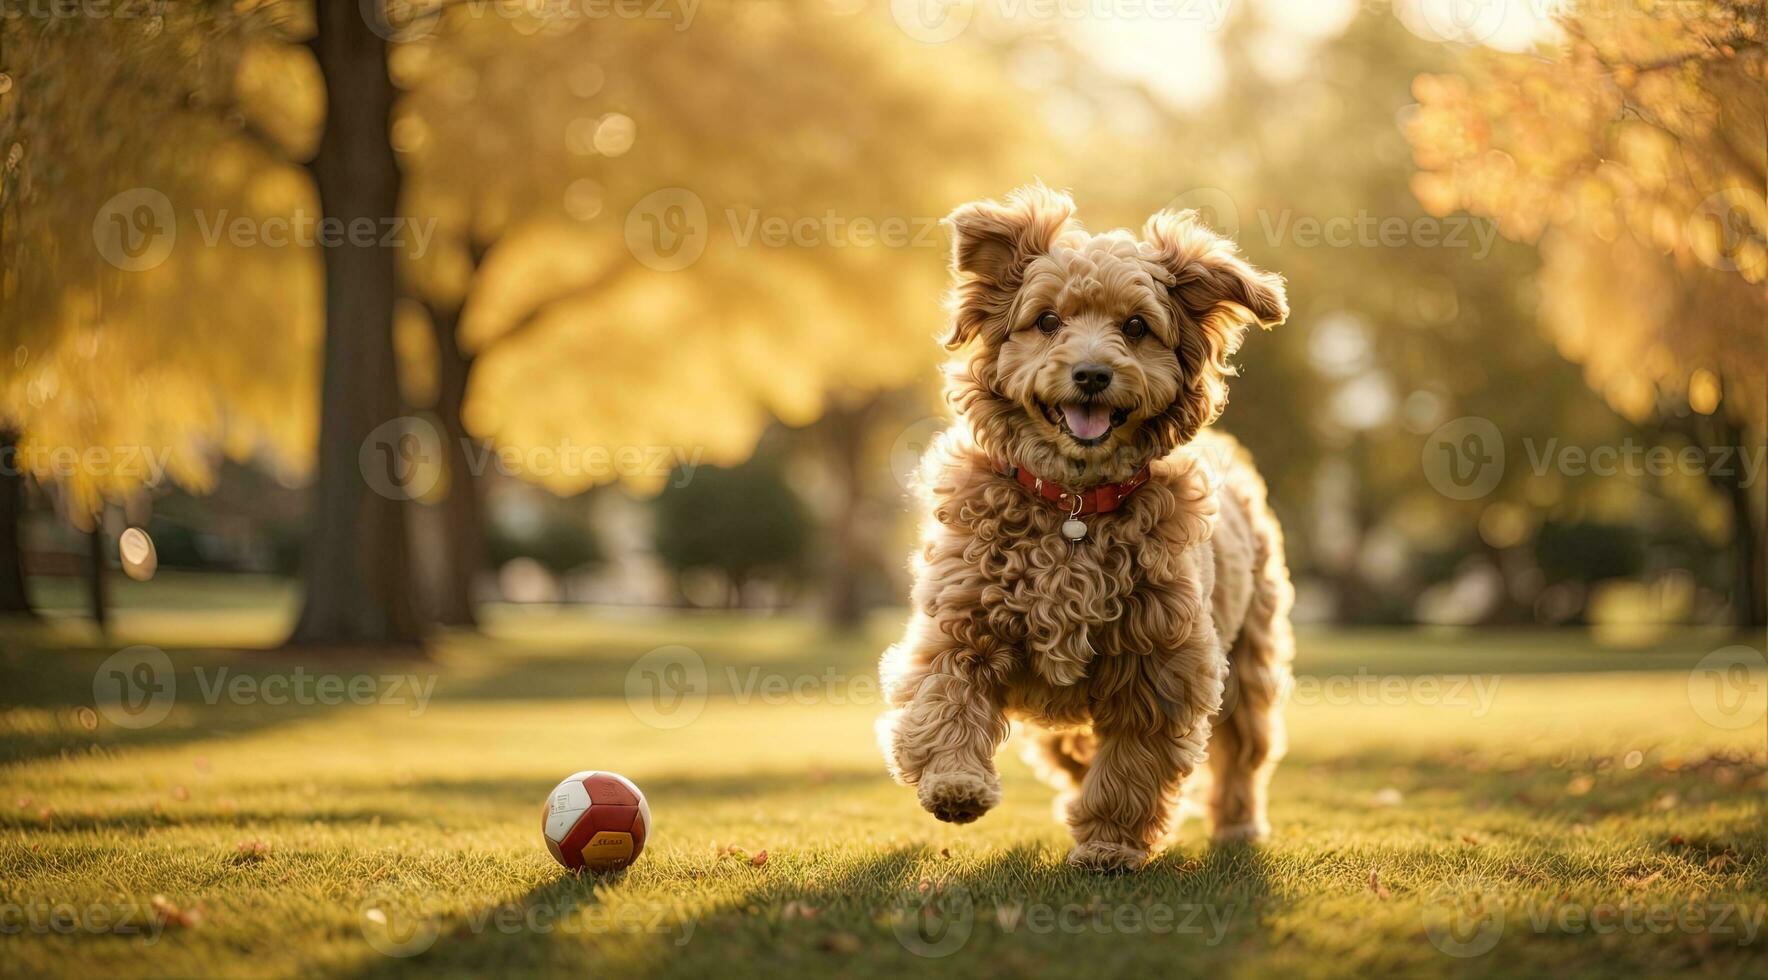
{"points": [[992, 243], [1214, 295]]}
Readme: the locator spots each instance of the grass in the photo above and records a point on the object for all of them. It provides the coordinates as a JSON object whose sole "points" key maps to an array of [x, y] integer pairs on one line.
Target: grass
{"points": [[1452, 804]]}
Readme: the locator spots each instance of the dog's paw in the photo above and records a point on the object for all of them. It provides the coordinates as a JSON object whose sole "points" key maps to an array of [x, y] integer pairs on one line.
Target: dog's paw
{"points": [[958, 797], [1098, 855], [1250, 832]]}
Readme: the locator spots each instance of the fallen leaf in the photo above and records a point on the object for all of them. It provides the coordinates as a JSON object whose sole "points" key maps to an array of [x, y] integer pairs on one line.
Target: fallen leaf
{"points": [[758, 860], [1377, 887], [945, 852], [180, 793], [1638, 882], [166, 913], [1470, 839], [251, 851], [1580, 785]]}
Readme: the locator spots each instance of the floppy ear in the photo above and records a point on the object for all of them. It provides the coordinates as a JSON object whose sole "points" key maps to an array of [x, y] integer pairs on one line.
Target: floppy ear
{"points": [[1214, 295], [992, 243]]}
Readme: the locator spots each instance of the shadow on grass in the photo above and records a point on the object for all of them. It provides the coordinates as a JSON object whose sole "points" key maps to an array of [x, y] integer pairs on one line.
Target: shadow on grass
{"points": [[901, 910]]}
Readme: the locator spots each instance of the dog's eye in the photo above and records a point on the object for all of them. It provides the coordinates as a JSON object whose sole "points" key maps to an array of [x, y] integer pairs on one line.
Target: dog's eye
{"points": [[1135, 328], [1049, 322]]}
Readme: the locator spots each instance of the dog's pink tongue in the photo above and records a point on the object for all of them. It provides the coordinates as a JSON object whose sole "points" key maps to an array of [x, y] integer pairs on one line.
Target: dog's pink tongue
{"points": [[1087, 421]]}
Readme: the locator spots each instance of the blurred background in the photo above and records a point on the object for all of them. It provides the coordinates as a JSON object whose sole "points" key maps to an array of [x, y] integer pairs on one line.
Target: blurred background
{"points": [[385, 314]]}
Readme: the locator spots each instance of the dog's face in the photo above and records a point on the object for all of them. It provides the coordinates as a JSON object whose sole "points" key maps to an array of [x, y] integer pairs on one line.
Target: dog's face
{"points": [[1084, 356]]}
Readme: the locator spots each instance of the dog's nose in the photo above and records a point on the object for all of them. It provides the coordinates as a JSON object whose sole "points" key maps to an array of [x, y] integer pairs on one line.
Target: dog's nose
{"points": [[1092, 378]]}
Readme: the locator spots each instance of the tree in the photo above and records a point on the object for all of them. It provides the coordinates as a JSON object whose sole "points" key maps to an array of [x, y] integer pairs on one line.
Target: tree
{"points": [[113, 177], [357, 572], [14, 597], [534, 300], [743, 522], [1635, 155]]}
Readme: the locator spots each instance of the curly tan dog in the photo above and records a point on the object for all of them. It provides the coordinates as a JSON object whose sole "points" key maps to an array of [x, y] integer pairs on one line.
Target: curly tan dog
{"points": [[1094, 563]]}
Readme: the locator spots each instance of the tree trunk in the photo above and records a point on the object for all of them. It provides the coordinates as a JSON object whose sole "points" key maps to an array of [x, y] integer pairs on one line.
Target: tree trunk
{"points": [[358, 574], [14, 596], [844, 431], [463, 512], [1749, 519], [97, 585], [1749, 597]]}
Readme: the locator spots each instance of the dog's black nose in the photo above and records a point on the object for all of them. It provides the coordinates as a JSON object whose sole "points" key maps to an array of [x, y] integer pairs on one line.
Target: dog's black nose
{"points": [[1092, 378]]}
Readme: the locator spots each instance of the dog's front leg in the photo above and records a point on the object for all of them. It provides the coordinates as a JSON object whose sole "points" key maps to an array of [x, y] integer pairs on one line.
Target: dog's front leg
{"points": [[1152, 732], [942, 737]]}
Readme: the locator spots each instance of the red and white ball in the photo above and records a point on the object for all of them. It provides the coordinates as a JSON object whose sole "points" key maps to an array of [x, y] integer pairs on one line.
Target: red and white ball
{"points": [[596, 820]]}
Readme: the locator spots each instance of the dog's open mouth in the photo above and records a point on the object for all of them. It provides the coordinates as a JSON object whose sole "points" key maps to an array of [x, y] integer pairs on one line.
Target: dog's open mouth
{"points": [[1088, 423]]}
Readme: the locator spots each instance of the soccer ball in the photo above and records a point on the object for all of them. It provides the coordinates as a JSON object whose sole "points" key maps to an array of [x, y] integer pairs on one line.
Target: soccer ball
{"points": [[596, 820]]}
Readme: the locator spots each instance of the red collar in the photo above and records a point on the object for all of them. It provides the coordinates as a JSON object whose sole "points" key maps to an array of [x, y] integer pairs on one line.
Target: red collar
{"points": [[1101, 499]]}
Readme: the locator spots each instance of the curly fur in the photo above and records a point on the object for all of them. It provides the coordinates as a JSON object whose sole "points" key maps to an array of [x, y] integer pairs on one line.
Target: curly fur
{"points": [[1124, 647]]}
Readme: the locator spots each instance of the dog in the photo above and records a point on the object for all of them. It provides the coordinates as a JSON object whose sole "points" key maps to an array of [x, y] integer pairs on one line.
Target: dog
{"points": [[1095, 564]]}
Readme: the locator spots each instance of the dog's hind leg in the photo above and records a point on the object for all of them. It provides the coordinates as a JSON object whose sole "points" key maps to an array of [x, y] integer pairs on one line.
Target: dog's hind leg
{"points": [[1248, 738]]}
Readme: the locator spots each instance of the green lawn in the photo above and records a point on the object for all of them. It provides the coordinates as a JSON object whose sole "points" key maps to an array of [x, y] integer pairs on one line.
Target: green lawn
{"points": [[1453, 803]]}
